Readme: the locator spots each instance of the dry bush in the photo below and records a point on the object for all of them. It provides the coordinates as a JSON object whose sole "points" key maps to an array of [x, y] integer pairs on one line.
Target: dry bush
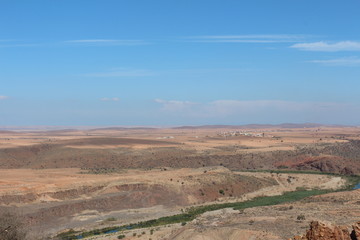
{"points": [[11, 226]]}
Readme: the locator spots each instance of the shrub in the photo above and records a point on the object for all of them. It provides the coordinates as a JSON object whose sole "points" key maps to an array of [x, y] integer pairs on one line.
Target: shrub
{"points": [[11, 227], [301, 217]]}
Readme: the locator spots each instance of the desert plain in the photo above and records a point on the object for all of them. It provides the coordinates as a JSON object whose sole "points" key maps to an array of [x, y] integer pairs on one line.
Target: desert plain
{"points": [[65, 182]]}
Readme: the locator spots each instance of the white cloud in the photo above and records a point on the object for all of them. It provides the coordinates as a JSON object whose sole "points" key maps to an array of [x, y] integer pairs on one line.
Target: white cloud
{"points": [[229, 107], [10, 45], [346, 61], [240, 41], [256, 38], [174, 105], [121, 72], [106, 42], [114, 99], [3, 97], [328, 47], [77, 42], [256, 110], [5, 43]]}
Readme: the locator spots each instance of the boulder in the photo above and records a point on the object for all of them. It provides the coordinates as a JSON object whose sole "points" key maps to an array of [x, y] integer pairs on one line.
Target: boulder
{"points": [[321, 231], [356, 231]]}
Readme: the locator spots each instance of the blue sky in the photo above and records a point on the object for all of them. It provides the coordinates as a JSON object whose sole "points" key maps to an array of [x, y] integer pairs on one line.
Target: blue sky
{"points": [[188, 62]]}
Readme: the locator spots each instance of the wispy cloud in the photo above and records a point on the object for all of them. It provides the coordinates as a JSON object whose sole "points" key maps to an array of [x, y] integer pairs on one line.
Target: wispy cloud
{"points": [[12, 44], [121, 72], [111, 42], [4, 43], [256, 38], [175, 105], [328, 47], [235, 106], [113, 99], [346, 61], [7, 40], [3, 97], [250, 110]]}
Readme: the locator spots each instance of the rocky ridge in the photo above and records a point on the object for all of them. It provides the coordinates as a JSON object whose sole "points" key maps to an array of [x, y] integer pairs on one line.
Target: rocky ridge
{"points": [[322, 231]]}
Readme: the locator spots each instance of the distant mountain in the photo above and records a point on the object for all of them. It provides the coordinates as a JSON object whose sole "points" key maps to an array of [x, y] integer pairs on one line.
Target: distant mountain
{"points": [[205, 127], [6, 132], [259, 126], [300, 125], [122, 128], [60, 130]]}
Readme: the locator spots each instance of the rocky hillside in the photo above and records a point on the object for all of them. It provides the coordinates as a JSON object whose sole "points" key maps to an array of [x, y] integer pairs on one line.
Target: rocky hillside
{"points": [[321, 231], [337, 158]]}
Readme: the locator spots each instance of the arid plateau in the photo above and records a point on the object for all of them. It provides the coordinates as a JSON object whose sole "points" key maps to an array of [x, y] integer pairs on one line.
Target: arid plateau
{"points": [[208, 182]]}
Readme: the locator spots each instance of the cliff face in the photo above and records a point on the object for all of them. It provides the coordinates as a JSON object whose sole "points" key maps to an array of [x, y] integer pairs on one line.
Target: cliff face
{"points": [[321, 231]]}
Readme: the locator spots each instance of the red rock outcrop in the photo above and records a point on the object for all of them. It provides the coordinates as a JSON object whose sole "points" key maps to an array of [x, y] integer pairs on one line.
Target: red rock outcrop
{"points": [[321, 231], [356, 231]]}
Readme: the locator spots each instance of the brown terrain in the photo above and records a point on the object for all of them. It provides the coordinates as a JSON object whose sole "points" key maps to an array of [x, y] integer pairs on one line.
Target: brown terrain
{"points": [[281, 222], [322, 231], [322, 149], [83, 179]]}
